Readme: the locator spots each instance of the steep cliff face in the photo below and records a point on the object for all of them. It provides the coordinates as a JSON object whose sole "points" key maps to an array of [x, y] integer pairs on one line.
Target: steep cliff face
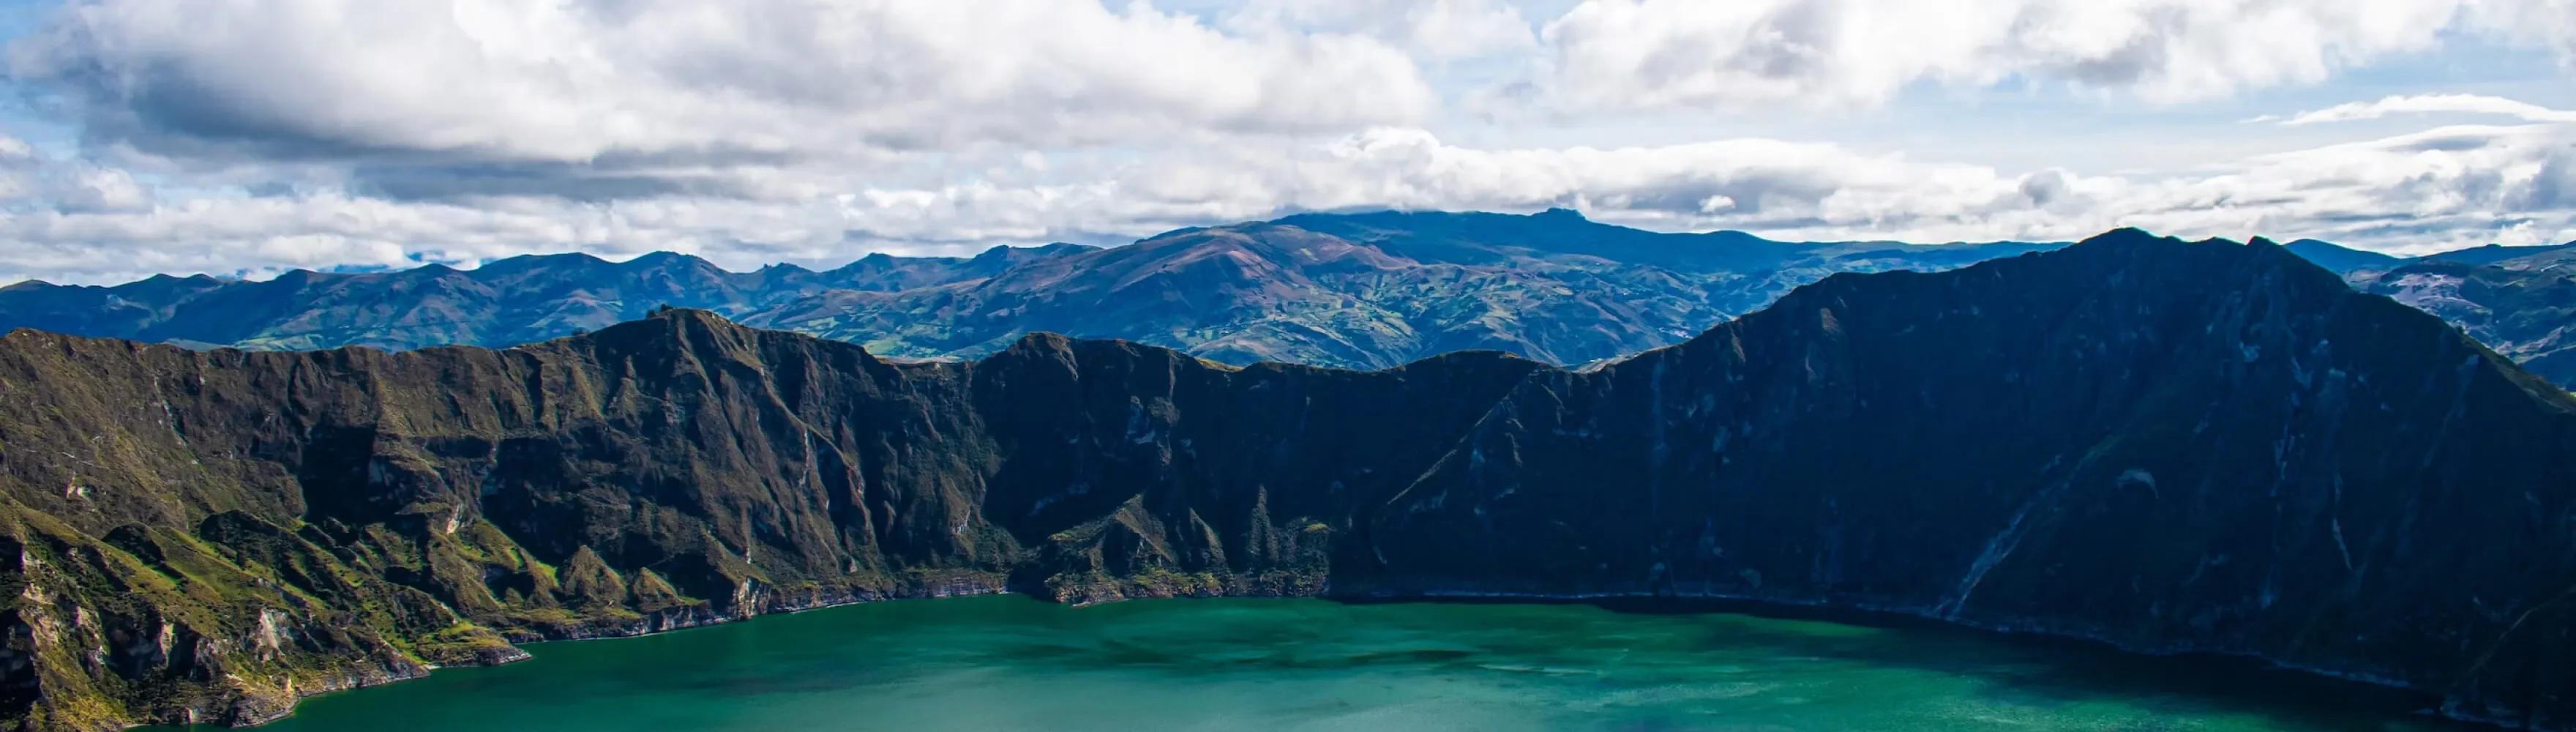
{"points": [[303, 521], [2170, 446]]}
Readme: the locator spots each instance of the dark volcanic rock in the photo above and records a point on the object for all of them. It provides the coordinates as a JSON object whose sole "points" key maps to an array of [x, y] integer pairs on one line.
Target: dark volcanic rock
{"points": [[2082, 443], [2169, 446]]}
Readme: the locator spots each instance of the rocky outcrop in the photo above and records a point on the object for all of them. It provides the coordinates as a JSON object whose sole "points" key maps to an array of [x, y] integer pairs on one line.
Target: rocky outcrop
{"points": [[2174, 447]]}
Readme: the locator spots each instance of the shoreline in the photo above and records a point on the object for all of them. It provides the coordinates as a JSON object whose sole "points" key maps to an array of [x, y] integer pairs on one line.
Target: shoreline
{"points": [[2421, 702]]}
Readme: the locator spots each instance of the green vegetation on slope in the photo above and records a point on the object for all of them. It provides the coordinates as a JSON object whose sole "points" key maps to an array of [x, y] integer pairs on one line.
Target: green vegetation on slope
{"points": [[2176, 447]]}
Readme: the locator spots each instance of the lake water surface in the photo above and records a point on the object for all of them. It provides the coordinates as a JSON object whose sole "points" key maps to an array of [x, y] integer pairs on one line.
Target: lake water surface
{"points": [[1012, 663]]}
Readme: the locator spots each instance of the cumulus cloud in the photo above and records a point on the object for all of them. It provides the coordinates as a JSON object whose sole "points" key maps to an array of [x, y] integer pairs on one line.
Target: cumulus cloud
{"points": [[1439, 30], [85, 187], [17, 159], [1662, 53], [2429, 104], [30, 181], [2452, 186], [2549, 24], [2438, 189], [252, 136], [2442, 188], [663, 83]]}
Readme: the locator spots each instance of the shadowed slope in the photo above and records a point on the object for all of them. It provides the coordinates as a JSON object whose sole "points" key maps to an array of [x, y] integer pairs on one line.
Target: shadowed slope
{"points": [[2170, 446]]}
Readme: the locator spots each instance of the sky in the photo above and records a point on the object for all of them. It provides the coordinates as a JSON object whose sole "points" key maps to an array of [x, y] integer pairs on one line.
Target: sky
{"points": [[251, 137]]}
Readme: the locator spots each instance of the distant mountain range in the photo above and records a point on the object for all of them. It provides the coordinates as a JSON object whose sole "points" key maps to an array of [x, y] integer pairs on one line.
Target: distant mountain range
{"points": [[2520, 301], [1367, 290], [506, 302], [2168, 446], [2528, 314], [1364, 290]]}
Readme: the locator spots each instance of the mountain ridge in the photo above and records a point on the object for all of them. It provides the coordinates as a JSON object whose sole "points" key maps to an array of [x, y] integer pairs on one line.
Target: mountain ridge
{"points": [[1421, 288], [1360, 289], [205, 535], [2527, 313], [2340, 259]]}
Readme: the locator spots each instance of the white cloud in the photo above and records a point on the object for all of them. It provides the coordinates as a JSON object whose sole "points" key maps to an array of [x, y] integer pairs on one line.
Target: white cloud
{"points": [[649, 83], [2430, 104], [2443, 188], [1660, 53], [259, 135], [85, 187], [2448, 187], [2453, 186], [17, 161], [2548, 24], [29, 181], [1434, 29]]}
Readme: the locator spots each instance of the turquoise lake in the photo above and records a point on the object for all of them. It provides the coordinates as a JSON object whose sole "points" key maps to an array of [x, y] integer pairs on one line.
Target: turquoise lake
{"points": [[1012, 663]]}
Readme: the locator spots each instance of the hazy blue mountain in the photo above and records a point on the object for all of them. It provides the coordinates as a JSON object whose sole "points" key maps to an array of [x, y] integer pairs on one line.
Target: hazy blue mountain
{"points": [[1335, 289], [2493, 253], [1370, 290], [505, 302], [2519, 300], [2551, 259], [2339, 259], [1364, 290], [2526, 314]]}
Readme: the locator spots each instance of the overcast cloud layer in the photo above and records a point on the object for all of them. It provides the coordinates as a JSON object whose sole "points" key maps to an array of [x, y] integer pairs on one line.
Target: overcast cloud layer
{"points": [[253, 136]]}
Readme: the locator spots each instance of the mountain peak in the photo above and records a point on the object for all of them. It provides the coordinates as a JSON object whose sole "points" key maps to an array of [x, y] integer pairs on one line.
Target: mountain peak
{"points": [[2127, 235], [680, 314], [1005, 253], [873, 261], [667, 258], [1040, 341], [2338, 258], [667, 328], [2139, 244]]}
